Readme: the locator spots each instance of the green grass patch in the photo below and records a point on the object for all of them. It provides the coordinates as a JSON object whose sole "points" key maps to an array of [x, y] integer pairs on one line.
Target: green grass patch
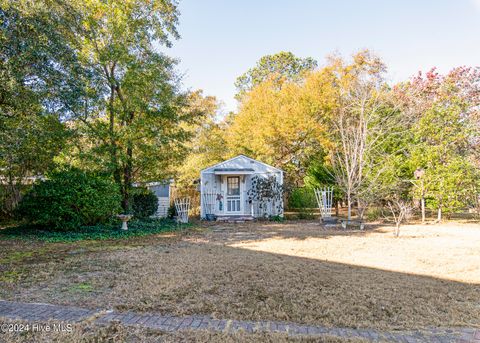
{"points": [[10, 276], [81, 287], [16, 256], [136, 228]]}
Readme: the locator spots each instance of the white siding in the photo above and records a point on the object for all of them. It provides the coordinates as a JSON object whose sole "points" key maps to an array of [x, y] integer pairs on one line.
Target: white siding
{"points": [[163, 205], [162, 191], [212, 183], [243, 162]]}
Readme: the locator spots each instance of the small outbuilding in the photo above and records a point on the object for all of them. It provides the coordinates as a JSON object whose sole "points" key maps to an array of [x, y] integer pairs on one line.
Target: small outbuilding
{"points": [[162, 190], [227, 189]]}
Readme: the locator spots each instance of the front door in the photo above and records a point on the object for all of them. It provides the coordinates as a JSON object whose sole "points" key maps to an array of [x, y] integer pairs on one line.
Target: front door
{"points": [[233, 200]]}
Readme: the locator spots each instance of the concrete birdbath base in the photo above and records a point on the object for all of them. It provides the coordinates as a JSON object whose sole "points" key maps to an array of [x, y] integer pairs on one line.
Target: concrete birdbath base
{"points": [[124, 218]]}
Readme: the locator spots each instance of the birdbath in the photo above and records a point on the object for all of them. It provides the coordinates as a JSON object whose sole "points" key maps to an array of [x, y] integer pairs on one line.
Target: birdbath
{"points": [[124, 218]]}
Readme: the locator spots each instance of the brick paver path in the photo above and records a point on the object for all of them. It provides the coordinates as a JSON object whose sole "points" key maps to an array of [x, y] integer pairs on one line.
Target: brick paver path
{"points": [[43, 312]]}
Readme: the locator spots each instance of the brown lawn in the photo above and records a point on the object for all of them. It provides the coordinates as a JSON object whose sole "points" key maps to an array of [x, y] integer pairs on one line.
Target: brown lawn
{"points": [[449, 251], [293, 271], [87, 331]]}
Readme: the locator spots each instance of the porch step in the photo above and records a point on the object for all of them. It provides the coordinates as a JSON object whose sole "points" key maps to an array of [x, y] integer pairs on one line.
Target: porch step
{"points": [[234, 219]]}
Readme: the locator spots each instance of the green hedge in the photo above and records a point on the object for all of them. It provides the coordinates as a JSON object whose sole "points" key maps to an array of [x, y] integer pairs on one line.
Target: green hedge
{"points": [[302, 198], [70, 198], [144, 203]]}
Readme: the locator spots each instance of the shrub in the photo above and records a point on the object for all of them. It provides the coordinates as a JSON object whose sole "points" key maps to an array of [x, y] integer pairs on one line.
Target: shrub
{"points": [[306, 215], [374, 213], [144, 203], [172, 212], [276, 218], [69, 199], [302, 198]]}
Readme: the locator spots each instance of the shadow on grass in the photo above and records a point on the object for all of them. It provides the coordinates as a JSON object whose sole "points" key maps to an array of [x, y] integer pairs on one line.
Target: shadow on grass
{"points": [[296, 230], [204, 277]]}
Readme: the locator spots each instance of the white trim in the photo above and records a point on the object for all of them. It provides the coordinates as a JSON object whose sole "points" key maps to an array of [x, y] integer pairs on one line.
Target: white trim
{"points": [[241, 155], [169, 183], [283, 205], [238, 172], [241, 186]]}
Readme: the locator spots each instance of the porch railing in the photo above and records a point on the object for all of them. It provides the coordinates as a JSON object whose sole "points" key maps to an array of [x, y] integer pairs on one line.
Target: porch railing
{"points": [[211, 202], [215, 203]]}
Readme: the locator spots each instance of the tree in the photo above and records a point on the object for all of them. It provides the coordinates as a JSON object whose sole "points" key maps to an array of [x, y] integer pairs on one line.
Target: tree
{"points": [[278, 68], [360, 122], [28, 146], [132, 104], [448, 156], [400, 209], [207, 144], [393, 188], [36, 59], [278, 127]]}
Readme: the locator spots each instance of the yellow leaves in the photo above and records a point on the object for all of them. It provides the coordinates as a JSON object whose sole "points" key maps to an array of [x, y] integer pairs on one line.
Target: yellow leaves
{"points": [[283, 123], [276, 125]]}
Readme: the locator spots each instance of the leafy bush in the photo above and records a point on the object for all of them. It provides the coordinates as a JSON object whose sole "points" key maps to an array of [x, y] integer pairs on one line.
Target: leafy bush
{"points": [[172, 212], [306, 215], [136, 228], [276, 218], [302, 198], [144, 203], [374, 213], [69, 199]]}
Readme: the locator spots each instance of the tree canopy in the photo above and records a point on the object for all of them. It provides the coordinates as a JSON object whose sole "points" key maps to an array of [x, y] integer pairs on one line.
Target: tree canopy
{"points": [[97, 68], [88, 86], [278, 68]]}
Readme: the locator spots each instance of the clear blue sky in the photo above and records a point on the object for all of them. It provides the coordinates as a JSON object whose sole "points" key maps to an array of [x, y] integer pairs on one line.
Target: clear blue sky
{"points": [[221, 39]]}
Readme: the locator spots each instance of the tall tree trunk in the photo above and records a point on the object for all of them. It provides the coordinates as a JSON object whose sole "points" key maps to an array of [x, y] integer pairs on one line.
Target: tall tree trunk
{"points": [[13, 197], [423, 209], [361, 207], [113, 142], [128, 168], [349, 206], [127, 179], [439, 214], [422, 200], [397, 229]]}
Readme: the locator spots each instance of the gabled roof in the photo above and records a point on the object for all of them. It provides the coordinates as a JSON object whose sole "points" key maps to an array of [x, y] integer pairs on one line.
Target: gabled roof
{"points": [[242, 162]]}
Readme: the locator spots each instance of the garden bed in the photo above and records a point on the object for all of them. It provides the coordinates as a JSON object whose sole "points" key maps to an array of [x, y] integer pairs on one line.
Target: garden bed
{"points": [[136, 228]]}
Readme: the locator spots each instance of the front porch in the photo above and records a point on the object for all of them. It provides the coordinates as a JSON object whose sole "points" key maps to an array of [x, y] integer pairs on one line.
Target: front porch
{"points": [[227, 186], [227, 195]]}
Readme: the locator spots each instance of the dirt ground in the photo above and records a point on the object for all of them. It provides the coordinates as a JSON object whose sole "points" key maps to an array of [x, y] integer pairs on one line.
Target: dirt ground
{"points": [[291, 271]]}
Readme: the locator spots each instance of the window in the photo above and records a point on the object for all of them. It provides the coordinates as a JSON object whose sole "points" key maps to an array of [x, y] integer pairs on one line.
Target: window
{"points": [[233, 185]]}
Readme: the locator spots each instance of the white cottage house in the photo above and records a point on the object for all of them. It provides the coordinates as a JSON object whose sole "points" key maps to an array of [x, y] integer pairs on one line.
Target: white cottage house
{"points": [[226, 189]]}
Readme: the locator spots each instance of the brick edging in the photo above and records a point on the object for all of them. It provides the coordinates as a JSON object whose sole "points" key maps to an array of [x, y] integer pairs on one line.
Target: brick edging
{"points": [[44, 312]]}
